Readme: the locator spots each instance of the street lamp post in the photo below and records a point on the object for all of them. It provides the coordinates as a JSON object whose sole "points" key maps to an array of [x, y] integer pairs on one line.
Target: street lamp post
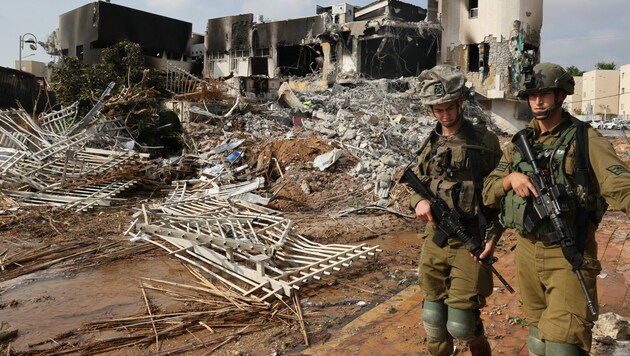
{"points": [[32, 41]]}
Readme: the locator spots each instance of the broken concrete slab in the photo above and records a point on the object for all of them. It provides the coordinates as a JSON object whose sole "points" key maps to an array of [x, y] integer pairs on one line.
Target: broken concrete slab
{"points": [[287, 98], [327, 159], [611, 326]]}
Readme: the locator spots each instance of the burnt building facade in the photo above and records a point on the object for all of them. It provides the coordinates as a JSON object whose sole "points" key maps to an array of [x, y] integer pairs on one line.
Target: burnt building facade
{"points": [[85, 31], [386, 39]]}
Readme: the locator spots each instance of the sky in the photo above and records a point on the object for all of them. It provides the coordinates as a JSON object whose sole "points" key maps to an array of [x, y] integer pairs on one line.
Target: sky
{"points": [[577, 33]]}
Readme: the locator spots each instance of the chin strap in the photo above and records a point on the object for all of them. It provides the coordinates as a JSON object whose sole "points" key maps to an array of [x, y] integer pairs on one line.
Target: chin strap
{"points": [[545, 114]]}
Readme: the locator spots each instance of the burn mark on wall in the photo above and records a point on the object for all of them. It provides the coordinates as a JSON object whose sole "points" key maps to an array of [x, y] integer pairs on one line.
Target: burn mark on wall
{"points": [[483, 61]]}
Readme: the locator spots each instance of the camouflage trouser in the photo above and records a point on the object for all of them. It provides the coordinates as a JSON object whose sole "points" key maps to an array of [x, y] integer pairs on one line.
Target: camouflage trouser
{"points": [[552, 296], [449, 274]]}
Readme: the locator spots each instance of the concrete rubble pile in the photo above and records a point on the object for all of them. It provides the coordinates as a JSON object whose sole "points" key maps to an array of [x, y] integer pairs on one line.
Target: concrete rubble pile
{"points": [[381, 122], [215, 216], [612, 334], [214, 221]]}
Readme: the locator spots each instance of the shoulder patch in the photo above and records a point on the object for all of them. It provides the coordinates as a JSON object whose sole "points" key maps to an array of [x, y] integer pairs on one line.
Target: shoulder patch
{"points": [[502, 166], [618, 169]]}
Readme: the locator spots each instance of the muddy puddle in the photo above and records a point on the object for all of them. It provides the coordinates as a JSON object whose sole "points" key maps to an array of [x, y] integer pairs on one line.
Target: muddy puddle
{"points": [[44, 305]]}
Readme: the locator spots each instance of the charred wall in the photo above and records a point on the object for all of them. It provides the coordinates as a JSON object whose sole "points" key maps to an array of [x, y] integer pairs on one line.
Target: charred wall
{"points": [[297, 48], [292, 31], [229, 33], [86, 30], [392, 42]]}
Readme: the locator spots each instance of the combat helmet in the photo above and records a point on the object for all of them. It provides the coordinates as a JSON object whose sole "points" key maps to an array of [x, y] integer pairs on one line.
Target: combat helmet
{"points": [[543, 77], [441, 84]]}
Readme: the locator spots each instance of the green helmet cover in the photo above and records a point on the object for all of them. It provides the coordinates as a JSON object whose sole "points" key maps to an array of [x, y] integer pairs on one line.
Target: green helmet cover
{"points": [[440, 84], [544, 77]]}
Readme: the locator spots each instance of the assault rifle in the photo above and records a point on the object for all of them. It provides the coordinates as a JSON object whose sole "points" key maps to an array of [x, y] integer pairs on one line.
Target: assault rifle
{"points": [[449, 224], [551, 204]]}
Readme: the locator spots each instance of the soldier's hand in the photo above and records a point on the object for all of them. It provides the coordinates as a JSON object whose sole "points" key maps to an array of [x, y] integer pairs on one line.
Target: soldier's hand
{"points": [[520, 183], [423, 211], [487, 252]]}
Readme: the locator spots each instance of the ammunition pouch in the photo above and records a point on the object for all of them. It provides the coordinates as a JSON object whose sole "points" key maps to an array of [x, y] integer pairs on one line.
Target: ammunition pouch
{"points": [[457, 195], [513, 212]]}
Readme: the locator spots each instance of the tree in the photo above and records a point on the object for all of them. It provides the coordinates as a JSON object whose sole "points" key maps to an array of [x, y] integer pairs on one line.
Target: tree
{"points": [[140, 105], [574, 71], [68, 80], [605, 65], [122, 63]]}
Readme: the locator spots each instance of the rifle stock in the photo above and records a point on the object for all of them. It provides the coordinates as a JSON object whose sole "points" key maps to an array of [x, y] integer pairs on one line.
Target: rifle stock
{"points": [[449, 223], [551, 203]]}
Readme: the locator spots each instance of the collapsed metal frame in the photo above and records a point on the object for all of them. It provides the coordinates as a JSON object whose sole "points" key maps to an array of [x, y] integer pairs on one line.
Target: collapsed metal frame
{"points": [[54, 157], [51, 178], [79, 199], [250, 248], [58, 122], [180, 81]]}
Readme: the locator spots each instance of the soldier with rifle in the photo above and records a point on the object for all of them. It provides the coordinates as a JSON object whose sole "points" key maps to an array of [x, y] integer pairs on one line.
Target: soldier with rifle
{"points": [[552, 185], [452, 163]]}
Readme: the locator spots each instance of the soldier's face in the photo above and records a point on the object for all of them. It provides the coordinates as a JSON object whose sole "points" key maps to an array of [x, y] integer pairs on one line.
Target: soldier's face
{"points": [[446, 113], [542, 102]]}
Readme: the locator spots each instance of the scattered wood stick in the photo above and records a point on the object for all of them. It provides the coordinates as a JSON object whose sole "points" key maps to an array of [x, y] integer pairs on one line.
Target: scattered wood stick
{"points": [[146, 302]]}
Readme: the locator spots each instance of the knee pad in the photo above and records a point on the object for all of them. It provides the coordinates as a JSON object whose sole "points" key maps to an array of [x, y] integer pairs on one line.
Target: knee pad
{"points": [[434, 316], [462, 324], [535, 345]]}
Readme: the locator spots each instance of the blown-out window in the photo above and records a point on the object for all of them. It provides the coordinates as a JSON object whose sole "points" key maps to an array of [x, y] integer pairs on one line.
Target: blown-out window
{"points": [[473, 8], [79, 51]]}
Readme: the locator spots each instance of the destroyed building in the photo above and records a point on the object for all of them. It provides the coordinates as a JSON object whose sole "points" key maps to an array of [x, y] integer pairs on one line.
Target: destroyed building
{"points": [[84, 31], [385, 39], [493, 42]]}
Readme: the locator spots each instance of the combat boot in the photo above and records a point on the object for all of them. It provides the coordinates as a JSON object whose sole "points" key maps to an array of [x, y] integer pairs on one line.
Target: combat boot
{"points": [[480, 346]]}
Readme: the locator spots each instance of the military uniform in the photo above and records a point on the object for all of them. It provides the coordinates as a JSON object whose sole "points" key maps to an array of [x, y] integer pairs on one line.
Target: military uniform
{"points": [[554, 303], [448, 274]]}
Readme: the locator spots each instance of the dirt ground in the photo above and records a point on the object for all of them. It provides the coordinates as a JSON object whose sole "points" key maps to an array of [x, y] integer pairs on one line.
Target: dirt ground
{"points": [[61, 273]]}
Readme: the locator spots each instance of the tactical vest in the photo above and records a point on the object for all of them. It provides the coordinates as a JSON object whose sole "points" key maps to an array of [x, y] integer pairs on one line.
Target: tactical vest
{"points": [[452, 171], [515, 210]]}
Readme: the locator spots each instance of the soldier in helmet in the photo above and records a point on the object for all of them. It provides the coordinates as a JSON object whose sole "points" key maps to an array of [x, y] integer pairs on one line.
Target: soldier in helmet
{"points": [[579, 159], [453, 161]]}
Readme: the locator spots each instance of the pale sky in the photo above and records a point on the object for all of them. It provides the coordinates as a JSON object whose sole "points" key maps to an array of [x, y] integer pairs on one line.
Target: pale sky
{"points": [[574, 32]]}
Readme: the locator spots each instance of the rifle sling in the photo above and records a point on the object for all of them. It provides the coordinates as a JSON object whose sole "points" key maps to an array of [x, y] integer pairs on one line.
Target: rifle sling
{"points": [[581, 172], [474, 160]]}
